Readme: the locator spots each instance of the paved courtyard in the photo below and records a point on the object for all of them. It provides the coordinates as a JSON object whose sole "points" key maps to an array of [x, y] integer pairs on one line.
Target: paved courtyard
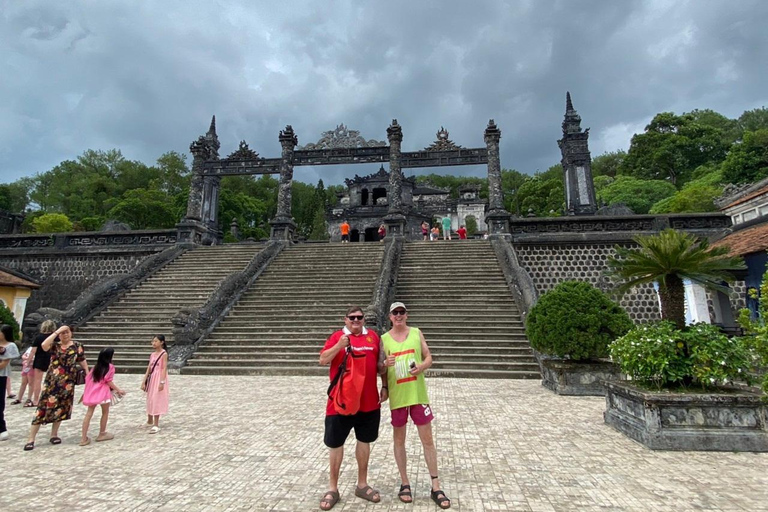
{"points": [[255, 443]]}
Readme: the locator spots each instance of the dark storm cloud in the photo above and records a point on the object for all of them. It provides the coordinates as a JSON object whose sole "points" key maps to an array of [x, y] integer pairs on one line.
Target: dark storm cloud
{"points": [[145, 77]]}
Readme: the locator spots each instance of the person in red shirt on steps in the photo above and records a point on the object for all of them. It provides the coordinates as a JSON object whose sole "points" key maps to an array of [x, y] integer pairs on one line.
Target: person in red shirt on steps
{"points": [[366, 420], [462, 231]]}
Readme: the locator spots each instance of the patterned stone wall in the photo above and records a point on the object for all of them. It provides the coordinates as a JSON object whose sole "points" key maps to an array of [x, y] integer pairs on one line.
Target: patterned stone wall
{"points": [[64, 275], [550, 264]]}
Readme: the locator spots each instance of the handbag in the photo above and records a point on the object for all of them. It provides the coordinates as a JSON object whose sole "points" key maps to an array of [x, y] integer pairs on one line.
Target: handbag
{"points": [[115, 398], [80, 377], [346, 388]]}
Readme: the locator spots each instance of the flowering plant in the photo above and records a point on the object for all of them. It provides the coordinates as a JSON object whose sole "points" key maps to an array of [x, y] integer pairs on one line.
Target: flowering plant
{"points": [[662, 355]]}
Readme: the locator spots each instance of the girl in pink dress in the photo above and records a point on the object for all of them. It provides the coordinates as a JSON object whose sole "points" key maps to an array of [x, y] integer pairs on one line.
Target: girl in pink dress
{"points": [[98, 391], [155, 383]]}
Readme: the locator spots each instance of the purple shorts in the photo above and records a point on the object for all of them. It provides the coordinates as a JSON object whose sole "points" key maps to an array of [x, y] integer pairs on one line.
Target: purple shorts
{"points": [[420, 414]]}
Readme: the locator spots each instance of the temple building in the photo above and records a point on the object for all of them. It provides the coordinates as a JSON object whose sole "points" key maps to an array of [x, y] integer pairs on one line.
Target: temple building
{"points": [[366, 203]]}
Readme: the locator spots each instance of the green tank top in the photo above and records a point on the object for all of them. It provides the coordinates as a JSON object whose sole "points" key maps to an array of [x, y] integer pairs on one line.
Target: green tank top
{"points": [[404, 388]]}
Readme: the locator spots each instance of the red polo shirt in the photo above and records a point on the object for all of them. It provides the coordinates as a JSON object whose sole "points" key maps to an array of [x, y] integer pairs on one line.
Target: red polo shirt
{"points": [[367, 342]]}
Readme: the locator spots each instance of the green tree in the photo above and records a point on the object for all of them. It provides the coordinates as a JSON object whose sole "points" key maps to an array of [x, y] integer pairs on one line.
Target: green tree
{"points": [[668, 259], [304, 204], [608, 164], [471, 225], [319, 226], [748, 162], [6, 317], [145, 209], [52, 223], [637, 194], [697, 196], [672, 147], [511, 181], [753, 120], [542, 194]]}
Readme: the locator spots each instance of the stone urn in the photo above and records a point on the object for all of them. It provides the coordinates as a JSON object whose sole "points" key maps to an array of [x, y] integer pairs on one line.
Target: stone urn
{"points": [[577, 378], [728, 420]]}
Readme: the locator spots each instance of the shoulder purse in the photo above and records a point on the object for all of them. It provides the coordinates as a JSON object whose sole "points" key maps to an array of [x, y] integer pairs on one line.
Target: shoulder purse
{"points": [[80, 377], [149, 375]]}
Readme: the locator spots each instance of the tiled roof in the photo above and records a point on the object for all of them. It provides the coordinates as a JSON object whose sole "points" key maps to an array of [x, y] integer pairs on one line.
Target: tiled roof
{"points": [[7, 279], [746, 241], [759, 192]]}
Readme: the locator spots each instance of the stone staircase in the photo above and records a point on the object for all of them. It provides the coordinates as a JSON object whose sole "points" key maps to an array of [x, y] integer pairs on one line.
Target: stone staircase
{"points": [[279, 325], [457, 295], [129, 324]]}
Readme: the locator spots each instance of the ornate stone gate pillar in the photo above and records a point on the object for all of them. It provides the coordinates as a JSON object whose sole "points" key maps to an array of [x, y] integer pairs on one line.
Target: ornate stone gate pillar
{"points": [[395, 219], [497, 217], [283, 226], [196, 226]]}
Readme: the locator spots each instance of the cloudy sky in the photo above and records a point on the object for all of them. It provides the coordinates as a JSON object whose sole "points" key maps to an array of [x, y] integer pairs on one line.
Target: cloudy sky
{"points": [[146, 76]]}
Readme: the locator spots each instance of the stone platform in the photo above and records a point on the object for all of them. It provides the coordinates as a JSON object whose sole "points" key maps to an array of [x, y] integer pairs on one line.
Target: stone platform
{"points": [[255, 443]]}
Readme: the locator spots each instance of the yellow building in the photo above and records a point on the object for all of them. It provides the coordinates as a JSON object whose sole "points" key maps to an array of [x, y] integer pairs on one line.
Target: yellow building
{"points": [[15, 289]]}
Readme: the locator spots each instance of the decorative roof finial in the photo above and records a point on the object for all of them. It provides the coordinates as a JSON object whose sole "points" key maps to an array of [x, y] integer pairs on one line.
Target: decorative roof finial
{"points": [[212, 129], [568, 102]]}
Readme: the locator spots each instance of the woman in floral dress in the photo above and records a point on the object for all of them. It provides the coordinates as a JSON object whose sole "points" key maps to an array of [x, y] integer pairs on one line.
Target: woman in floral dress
{"points": [[58, 396]]}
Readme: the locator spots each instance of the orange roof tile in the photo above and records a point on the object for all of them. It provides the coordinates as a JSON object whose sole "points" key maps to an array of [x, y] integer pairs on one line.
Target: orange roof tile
{"points": [[746, 198], [746, 241], [7, 279]]}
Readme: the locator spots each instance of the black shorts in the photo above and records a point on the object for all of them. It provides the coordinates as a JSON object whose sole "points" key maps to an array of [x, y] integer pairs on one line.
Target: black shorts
{"points": [[366, 425], [345, 237]]}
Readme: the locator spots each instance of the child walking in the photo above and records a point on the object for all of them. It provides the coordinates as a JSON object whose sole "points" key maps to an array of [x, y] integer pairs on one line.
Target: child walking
{"points": [[26, 379], [98, 391], [156, 383]]}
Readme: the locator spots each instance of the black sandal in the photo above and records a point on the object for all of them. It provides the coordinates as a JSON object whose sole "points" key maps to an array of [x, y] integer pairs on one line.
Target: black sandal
{"points": [[55, 440], [439, 497], [16, 402], [405, 491], [29, 446]]}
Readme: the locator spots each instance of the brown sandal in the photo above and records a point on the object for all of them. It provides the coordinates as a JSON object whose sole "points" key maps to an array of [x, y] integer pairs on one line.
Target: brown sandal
{"points": [[405, 492], [439, 497], [368, 493], [330, 499]]}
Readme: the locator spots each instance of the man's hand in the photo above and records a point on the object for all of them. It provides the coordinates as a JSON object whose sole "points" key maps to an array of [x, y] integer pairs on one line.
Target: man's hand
{"points": [[383, 395], [415, 370], [344, 341], [390, 360]]}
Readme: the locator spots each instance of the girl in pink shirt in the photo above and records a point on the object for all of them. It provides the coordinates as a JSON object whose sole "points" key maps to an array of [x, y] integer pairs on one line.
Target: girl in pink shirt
{"points": [[98, 391]]}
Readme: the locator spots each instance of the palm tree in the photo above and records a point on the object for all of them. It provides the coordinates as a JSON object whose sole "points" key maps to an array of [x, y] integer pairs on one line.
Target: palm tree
{"points": [[668, 258]]}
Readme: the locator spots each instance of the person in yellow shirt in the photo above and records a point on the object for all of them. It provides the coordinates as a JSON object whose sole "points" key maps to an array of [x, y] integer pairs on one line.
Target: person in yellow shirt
{"points": [[408, 357]]}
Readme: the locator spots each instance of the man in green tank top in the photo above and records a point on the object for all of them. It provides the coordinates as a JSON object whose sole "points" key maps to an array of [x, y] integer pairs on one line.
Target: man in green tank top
{"points": [[408, 357]]}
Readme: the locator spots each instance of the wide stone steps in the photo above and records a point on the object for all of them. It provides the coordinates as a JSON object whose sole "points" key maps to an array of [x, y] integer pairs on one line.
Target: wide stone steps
{"points": [[129, 324], [299, 301], [458, 296]]}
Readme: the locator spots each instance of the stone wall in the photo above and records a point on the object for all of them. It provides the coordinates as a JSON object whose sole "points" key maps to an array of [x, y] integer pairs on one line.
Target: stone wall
{"points": [[64, 274], [551, 264]]}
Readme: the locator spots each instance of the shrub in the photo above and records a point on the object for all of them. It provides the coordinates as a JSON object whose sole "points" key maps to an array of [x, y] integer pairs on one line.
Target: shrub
{"points": [[577, 321], [52, 223], [757, 330], [656, 354], [6, 317]]}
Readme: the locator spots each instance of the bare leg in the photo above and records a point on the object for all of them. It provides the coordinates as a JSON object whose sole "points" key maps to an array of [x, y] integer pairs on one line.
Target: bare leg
{"points": [[23, 388], [87, 422], [337, 455], [149, 420], [362, 454], [37, 381], [104, 418], [430, 452], [156, 420], [55, 429], [33, 433], [401, 458]]}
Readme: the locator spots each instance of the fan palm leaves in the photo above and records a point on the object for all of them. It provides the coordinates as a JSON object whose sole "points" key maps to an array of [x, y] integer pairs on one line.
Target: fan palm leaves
{"points": [[669, 258]]}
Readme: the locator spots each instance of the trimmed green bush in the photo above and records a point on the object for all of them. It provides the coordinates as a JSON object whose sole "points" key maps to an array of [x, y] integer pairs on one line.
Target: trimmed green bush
{"points": [[576, 321], [6, 317]]}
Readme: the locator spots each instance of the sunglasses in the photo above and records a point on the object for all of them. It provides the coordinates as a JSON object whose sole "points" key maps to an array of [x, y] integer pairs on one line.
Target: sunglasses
{"points": [[399, 312], [355, 317]]}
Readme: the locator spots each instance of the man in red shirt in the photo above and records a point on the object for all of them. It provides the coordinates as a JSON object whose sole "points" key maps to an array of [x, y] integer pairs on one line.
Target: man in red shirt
{"points": [[462, 231], [366, 420]]}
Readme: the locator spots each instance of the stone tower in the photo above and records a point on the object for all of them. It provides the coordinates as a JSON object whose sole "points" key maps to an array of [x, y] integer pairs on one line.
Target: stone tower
{"points": [[577, 164]]}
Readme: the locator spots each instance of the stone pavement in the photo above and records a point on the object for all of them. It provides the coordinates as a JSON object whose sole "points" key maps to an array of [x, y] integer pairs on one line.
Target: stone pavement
{"points": [[255, 443]]}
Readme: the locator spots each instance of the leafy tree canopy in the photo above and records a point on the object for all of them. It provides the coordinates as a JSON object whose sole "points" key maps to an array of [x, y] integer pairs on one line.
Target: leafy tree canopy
{"points": [[748, 162], [52, 223], [637, 194], [608, 164]]}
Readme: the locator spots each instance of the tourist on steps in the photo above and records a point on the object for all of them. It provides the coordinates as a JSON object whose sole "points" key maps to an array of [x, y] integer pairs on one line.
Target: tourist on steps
{"points": [[8, 352], [155, 383], [344, 228], [99, 386], [446, 228], [462, 232], [26, 378], [382, 232], [366, 420], [434, 235], [407, 358], [41, 359], [58, 395], [425, 230]]}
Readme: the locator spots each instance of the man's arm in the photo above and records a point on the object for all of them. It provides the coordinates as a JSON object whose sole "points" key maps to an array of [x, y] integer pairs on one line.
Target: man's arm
{"points": [[426, 356], [327, 355]]}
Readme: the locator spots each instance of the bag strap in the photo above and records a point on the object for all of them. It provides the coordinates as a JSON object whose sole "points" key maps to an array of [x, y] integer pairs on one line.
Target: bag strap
{"points": [[155, 365], [342, 368]]}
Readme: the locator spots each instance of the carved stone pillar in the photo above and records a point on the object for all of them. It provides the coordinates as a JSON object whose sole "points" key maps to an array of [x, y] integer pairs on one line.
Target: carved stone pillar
{"points": [[395, 220], [283, 226], [497, 218], [202, 205], [577, 164]]}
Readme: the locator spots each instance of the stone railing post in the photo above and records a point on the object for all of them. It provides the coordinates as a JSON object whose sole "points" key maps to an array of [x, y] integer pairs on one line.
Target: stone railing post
{"points": [[395, 219], [283, 226], [196, 226], [497, 217]]}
